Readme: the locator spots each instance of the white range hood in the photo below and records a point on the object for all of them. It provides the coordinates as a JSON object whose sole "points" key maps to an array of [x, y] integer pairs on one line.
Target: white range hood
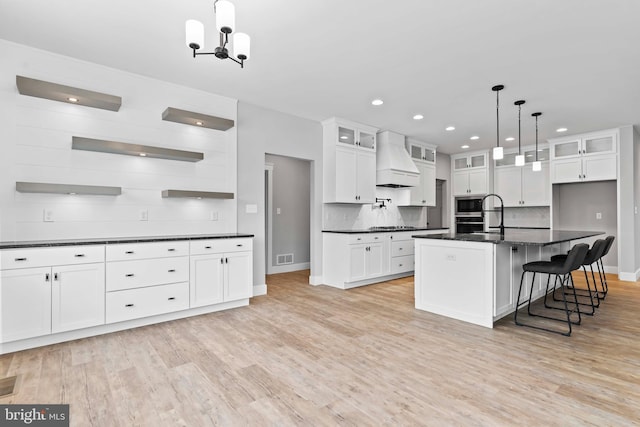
{"points": [[394, 167]]}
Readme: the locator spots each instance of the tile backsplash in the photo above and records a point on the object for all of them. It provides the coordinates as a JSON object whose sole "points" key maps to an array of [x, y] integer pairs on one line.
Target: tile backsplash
{"points": [[356, 217]]}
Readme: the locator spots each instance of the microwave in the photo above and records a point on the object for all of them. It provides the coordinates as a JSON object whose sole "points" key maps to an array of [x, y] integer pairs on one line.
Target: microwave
{"points": [[469, 206]]}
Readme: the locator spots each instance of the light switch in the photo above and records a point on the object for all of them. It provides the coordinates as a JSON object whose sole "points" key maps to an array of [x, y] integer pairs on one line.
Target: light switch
{"points": [[598, 215], [251, 208], [47, 215], [143, 215], [213, 216], [451, 257], [277, 211]]}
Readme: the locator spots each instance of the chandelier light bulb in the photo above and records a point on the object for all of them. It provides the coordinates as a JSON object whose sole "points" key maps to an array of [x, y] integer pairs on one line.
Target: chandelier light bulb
{"points": [[195, 34], [241, 45], [225, 16]]}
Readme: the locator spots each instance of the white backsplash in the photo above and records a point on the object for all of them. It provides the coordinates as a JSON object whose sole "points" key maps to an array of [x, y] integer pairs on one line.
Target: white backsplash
{"points": [[527, 217]]}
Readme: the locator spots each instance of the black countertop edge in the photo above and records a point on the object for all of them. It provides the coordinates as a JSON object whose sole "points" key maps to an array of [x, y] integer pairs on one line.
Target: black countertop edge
{"points": [[116, 240], [384, 231], [527, 228], [539, 237]]}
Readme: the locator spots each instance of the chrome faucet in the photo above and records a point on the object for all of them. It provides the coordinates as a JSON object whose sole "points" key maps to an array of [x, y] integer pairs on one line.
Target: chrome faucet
{"points": [[501, 226]]}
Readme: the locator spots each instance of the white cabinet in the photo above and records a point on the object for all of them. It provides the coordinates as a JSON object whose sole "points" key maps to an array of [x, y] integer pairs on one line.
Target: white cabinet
{"points": [[221, 271], [425, 193], [349, 162], [421, 151], [470, 174], [588, 157], [366, 260], [402, 249], [38, 297], [520, 186], [25, 300]]}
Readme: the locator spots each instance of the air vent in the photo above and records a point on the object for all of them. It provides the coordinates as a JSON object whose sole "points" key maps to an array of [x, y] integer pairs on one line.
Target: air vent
{"points": [[283, 259], [7, 386]]}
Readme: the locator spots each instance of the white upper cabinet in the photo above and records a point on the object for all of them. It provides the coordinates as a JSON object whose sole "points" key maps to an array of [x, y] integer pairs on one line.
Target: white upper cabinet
{"points": [[421, 151], [470, 174], [586, 157], [349, 162], [519, 185]]}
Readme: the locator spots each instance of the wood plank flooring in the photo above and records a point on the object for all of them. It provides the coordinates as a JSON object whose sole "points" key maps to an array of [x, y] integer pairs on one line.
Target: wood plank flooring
{"points": [[319, 356]]}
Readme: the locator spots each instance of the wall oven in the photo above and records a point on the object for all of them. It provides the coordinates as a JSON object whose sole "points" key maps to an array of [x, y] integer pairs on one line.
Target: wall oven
{"points": [[469, 224]]}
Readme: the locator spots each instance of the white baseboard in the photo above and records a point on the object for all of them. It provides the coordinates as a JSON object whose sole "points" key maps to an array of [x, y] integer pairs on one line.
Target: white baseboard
{"points": [[275, 269], [629, 277], [259, 290], [316, 280]]}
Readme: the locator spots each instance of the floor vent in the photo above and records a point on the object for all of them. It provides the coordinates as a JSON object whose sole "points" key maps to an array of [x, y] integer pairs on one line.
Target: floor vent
{"points": [[7, 386], [283, 259]]}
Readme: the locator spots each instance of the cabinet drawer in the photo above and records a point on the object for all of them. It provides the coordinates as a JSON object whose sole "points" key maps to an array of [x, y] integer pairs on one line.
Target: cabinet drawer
{"points": [[203, 247], [401, 248], [402, 264], [42, 257], [144, 302], [148, 272], [127, 251], [368, 238]]}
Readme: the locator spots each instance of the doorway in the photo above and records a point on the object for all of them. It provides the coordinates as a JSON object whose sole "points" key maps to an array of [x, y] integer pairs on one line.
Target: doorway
{"points": [[435, 213], [287, 214]]}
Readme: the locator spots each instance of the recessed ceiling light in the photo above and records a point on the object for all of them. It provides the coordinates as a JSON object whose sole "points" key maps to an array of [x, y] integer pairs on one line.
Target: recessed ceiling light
{"points": [[72, 99], [143, 154], [450, 128], [418, 117], [474, 137], [561, 130], [377, 102], [509, 139], [199, 123], [465, 146]]}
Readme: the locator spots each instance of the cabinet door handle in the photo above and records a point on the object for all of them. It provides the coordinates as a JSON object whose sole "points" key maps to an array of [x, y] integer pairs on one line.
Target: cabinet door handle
{"points": [[207, 247], [359, 238], [226, 260], [171, 298], [171, 249], [172, 271], [399, 249], [55, 276], [46, 277], [79, 255], [375, 238], [129, 252], [400, 265], [20, 259], [221, 260], [239, 245], [129, 275], [128, 305]]}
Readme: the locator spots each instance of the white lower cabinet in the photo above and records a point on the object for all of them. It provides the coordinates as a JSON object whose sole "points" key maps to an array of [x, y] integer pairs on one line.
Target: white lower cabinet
{"points": [[146, 301], [37, 298], [221, 271]]}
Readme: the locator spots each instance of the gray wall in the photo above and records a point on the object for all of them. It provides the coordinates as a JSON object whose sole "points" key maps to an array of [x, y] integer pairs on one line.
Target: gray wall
{"points": [[443, 171], [290, 194], [262, 131], [575, 206], [636, 186], [627, 245]]}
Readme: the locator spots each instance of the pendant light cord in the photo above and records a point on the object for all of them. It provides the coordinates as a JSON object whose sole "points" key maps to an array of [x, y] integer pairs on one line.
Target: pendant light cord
{"points": [[497, 118], [536, 138], [519, 110]]}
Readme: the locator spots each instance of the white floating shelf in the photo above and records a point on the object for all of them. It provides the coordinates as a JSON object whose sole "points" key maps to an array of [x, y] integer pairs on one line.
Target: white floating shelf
{"points": [[196, 119], [62, 93], [114, 147], [196, 194], [42, 187]]}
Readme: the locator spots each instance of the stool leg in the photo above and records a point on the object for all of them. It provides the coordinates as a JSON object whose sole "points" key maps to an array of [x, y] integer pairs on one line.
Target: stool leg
{"points": [[595, 286], [533, 280], [575, 296], [603, 277], [566, 306], [515, 316], [546, 292]]}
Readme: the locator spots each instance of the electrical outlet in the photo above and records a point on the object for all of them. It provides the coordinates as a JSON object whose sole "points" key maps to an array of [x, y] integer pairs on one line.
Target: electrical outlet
{"points": [[143, 215], [451, 257], [598, 215], [47, 215], [213, 216], [278, 211]]}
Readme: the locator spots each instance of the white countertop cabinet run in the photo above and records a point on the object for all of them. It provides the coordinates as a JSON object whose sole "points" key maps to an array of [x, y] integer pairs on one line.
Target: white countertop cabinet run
{"points": [[585, 157]]}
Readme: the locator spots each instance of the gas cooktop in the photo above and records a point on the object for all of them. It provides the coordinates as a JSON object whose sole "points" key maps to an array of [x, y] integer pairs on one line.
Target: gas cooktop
{"points": [[392, 227]]}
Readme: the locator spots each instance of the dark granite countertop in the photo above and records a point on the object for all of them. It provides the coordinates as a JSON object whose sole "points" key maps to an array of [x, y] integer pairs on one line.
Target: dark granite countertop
{"points": [[383, 230], [115, 240], [538, 237]]}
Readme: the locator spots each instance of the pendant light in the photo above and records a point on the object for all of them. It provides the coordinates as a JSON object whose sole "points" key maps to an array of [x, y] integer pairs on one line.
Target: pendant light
{"points": [[537, 165], [498, 152], [520, 156]]}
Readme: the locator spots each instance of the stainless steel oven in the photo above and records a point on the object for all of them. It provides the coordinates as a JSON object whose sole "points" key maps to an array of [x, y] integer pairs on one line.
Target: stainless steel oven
{"points": [[469, 223], [469, 206]]}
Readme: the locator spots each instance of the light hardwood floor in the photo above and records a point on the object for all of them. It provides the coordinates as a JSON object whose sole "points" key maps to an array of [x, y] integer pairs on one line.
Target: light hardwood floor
{"points": [[310, 356]]}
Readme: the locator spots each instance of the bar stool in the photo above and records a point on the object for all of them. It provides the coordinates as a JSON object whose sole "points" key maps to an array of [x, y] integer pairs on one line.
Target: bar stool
{"points": [[593, 255], [562, 271], [600, 266]]}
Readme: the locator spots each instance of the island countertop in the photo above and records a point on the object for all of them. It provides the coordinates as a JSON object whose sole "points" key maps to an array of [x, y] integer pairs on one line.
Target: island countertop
{"points": [[536, 237]]}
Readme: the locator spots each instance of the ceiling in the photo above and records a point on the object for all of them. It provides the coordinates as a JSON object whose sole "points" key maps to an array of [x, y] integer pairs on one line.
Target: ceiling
{"points": [[576, 61]]}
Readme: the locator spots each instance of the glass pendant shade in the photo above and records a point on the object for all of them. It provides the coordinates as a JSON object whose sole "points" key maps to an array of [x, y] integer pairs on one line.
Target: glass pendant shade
{"points": [[537, 166], [498, 153], [520, 160], [241, 45], [195, 34], [225, 16]]}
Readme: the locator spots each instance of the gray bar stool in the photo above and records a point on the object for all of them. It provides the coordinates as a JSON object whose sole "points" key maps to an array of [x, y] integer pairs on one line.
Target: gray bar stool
{"points": [[593, 255], [562, 271], [600, 265]]}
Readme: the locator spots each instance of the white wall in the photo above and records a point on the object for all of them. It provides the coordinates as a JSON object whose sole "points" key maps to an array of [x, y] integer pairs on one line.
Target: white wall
{"points": [[36, 147], [626, 202], [636, 186], [262, 131]]}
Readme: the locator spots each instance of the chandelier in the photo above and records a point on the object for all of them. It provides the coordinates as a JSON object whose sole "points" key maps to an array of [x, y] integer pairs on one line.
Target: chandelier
{"points": [[225, 23]]}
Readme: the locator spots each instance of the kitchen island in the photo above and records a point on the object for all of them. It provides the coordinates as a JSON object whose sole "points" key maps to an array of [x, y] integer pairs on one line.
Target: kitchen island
{"points": [[475, 277]]}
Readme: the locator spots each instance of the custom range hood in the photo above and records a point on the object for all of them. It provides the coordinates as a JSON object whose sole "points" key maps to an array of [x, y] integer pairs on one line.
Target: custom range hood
{"points": [[394, 167]]}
